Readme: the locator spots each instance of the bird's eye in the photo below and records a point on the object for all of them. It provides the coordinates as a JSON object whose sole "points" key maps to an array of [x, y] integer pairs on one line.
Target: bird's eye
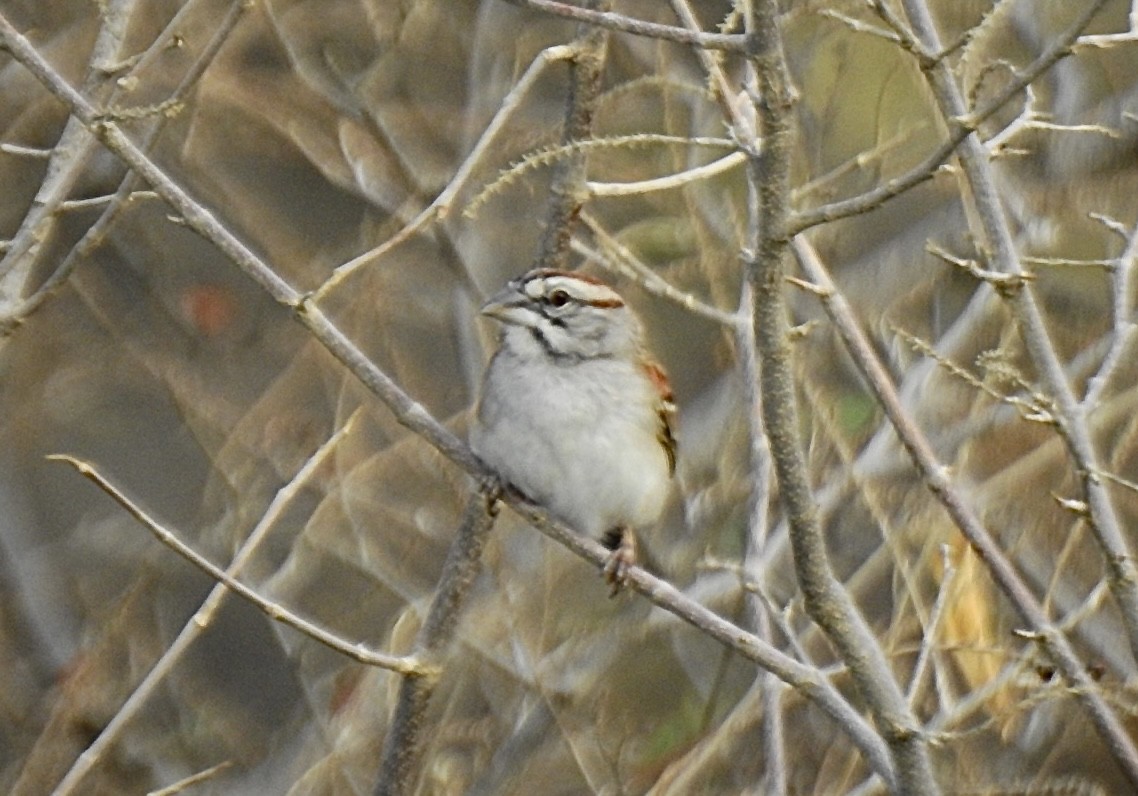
{"points": [[558, 298]]}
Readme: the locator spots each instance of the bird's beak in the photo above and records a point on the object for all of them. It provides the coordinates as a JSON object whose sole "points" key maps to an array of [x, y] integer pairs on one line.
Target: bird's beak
{"points": [[508, 306]]}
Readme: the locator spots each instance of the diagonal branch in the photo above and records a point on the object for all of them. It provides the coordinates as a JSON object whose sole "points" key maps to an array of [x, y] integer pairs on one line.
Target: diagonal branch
{"points": [[936, 478], [440, 207], [827, 601], [12, 317], [403, 664], [807, 680], [992, 227], [227, 581], [407, 411]]}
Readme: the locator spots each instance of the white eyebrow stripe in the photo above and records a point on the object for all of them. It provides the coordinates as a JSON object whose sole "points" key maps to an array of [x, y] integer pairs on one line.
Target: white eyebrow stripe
{"points": [[586, 292]]}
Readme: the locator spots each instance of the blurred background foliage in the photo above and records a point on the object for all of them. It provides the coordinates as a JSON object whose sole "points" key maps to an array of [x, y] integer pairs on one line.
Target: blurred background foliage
{"points": [[316, 131]]}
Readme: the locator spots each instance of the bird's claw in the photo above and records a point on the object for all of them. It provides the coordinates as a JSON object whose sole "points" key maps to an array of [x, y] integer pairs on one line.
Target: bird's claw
{"points": [[621, 543]]}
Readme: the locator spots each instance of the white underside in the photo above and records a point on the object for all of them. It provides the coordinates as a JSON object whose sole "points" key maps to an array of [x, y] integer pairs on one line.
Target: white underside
{"points": [[581, 439]]}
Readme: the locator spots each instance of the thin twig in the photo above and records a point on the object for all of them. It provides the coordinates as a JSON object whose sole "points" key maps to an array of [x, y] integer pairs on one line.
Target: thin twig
{"points": [[201, 619], [931, 628], [555, 155], [193, 779], [758, 529], [993, 230], [721, 88], [625, 24], [860, 25], [1124, 329], [669, 182], [937, 478], [623, 260], [38, 153], [438, 209], [360, 652]]}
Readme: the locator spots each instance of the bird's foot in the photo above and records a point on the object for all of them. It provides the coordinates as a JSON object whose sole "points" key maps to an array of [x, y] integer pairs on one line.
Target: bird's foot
{"points": [[621, 542]]}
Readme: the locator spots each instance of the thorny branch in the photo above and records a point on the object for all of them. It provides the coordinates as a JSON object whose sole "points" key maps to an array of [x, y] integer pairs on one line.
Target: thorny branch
{"points": [[995, 234], [827, 601], [807, 680], [903, 764], [936, 477], [625, 24], [567, 193]]}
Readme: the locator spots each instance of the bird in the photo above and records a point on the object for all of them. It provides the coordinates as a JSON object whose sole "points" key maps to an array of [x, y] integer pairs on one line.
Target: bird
{"points": [[573, 412]]}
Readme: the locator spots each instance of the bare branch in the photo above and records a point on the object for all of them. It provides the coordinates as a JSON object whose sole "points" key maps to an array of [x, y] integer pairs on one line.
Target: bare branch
{"points": [[624, 261], [1125, 330], [931, 628], [806, 680], [203, 617], [567, 192], [994, 231], [860, 26], [359, 652], [827, 601], [438, 209], [193, 779], [625, 24], [404, 734], [557, 154], [669, 182], [761, 477], [936, 477]]}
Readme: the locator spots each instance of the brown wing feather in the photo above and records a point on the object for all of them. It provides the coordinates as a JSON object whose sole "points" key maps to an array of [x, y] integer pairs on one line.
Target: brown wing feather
{"points": [[665, 411]]}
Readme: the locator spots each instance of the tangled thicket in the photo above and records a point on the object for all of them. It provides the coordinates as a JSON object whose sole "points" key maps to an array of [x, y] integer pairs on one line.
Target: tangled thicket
{"points": [[886, 249]]}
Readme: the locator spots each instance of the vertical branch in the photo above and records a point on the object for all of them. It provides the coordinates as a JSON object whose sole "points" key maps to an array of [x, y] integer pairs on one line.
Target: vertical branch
{"points": [[827, 602], [996, 236], [757, 531], [774, 751], [400, 747], [568, 192]]}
